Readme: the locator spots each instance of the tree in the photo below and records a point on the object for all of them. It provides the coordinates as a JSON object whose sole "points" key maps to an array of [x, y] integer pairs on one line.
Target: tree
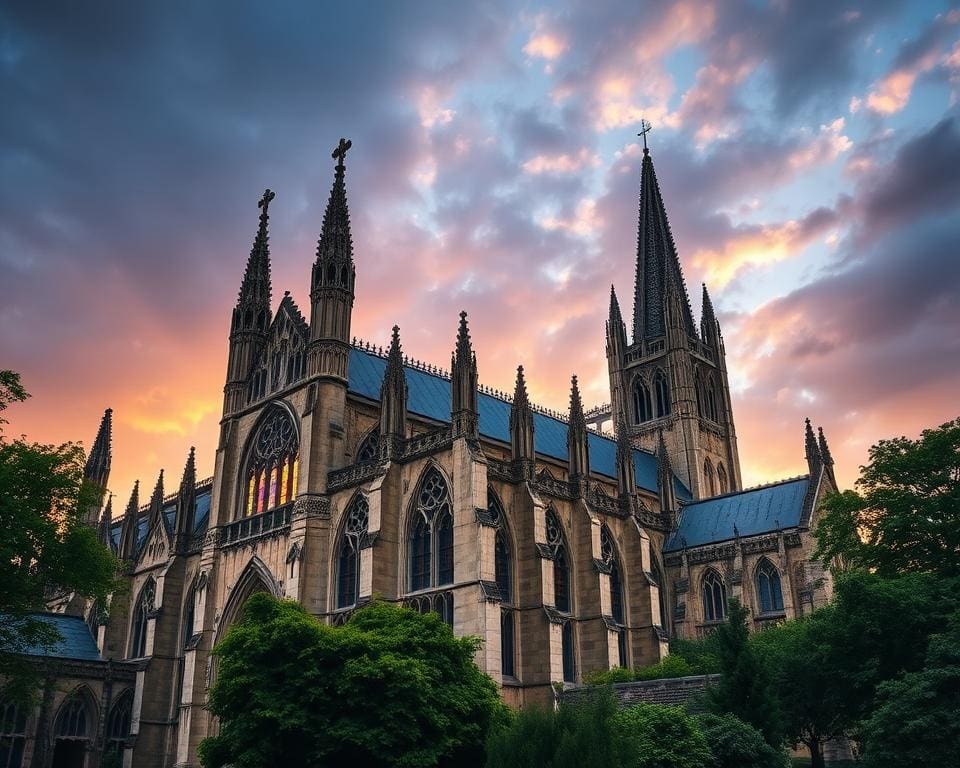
{"points": [[735, 744], [914, 723], [45, 544], [744, 689], [904, 517], [390, 688], [658, 736]]}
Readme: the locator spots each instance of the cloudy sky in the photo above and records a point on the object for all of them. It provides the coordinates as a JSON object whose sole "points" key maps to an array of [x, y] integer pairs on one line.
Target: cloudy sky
{"points": [[808, 153]]}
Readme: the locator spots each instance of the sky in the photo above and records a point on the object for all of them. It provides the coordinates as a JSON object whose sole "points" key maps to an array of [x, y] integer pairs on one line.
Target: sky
{"points": [[808, 154]]}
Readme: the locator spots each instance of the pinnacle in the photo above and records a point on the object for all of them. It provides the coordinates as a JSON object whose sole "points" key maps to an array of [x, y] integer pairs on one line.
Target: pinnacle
{"points": [[520, 390], [615, 315], [108, 509], [190, 469], [158, 490], [98, 462], [663, 456], [255, 286], [464, 351], [133, 506], [824, 448], [577, 419], [336, 243]]}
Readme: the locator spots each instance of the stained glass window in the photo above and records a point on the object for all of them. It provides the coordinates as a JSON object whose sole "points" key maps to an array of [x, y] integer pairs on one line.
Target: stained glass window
{"points": [[272, 467]]}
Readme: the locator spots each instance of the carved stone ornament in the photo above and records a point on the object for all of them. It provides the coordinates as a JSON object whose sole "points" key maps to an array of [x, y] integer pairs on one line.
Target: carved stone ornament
{"points": [[312, 505]]}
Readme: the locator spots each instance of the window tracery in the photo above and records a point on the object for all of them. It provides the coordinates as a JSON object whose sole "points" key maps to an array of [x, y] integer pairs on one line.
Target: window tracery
{"points": [[369, 448], [642, 405], [769, 588], [348, 559], [561, 568], [273, 467], [662, 392], [142, 613], [714, 597], [431, 535]]}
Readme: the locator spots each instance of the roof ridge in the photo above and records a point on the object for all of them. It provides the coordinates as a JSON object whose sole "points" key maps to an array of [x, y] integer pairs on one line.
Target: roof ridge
{"points": [[760, 487]]}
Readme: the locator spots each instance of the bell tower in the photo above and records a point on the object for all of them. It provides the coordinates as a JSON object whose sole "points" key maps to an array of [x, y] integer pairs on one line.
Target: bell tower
{"points": [[669, 379]]}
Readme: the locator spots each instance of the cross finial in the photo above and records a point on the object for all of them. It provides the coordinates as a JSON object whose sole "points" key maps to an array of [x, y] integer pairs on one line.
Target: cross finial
{"points": [[264, 203], [645, 128], [340, 152]]}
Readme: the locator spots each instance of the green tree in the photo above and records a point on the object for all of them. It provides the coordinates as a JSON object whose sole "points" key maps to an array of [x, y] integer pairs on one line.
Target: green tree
{"points": [[657, 736], [45, 544], [904, 516], [390, 688], [744, 689], [915, 722], [735, 744]]}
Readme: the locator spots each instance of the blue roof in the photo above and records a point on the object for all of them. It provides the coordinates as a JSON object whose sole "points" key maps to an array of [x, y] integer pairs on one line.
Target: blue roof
{"points": [[76, 642], [200, 519], [755, 511], [429, 395]]}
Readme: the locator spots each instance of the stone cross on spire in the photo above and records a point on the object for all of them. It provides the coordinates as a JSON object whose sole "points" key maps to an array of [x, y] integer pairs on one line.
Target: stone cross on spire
{"points": [[265, 201], [340, 153], [645, 128]]}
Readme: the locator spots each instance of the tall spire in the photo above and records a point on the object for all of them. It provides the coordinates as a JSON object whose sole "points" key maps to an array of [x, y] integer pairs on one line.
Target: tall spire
{"points": [[186, 504], [826, 455], [658, 267], [128, 528], [97, 468], [578, 447], [522, 446], [463, 369], [665, 487], [812, 450], [393, 395], [255, 286], [336, 244]]}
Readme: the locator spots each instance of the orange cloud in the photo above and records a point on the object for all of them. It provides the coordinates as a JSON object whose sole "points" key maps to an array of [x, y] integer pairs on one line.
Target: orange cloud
{"points": [[563, 163]]}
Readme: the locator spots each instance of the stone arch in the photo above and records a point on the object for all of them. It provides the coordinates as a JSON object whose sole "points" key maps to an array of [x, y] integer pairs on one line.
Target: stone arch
{"points": [[247, 454], [256, 577], [350, 534], [413, 525], [143, 609], [75, 727]]}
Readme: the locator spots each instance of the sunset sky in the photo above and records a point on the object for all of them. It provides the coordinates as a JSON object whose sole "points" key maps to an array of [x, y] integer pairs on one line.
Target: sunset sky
{"points": [[808, 154]]}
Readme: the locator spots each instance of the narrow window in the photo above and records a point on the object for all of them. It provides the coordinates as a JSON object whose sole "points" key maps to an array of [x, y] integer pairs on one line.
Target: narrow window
{"points": [[569, 666], [138, 645], [430, 544], [708, 478], [642, 407], [722, 478], [714, 597], [768, 588], [662, 394], [348, 560], [506, 643]]}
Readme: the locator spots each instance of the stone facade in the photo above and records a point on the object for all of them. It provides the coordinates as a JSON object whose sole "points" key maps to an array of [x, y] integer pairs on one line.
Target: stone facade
{"points": [[329, 490]]}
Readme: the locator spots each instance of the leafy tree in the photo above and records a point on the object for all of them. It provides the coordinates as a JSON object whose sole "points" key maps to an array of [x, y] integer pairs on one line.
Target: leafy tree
{"points": [[915, 721], [657, 736], [670, 665], [390, 688], [45, 544], [904, 516], [744, 689], [735, 744], [529, 741], [702, 654]]}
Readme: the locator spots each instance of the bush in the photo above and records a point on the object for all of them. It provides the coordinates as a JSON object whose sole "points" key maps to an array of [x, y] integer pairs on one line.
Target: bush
{"points": [[670, 666], [656, 736], [735, 744], [703, 655]]}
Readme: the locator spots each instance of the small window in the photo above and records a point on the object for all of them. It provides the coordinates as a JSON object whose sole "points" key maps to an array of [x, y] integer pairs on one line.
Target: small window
{"points": [[768, 588], [13, 735], [561, 568], [714, 597], [141, 615], [507, 666], [662, 391], [642, 406], [569, 663]]}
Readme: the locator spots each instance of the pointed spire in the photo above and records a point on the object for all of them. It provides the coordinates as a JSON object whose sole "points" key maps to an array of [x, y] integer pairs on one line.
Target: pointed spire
{"points": [[255, 289], [708, 319], [615, 316], [393, 394], [665, 480], [463, 374], [97, 468], [128, 529], [578, 447], [626, 470], [811, 449], [336, 243], [186, 504], [658, 266], [522, 446], [106, 519], [156, 503], [826, 455]]}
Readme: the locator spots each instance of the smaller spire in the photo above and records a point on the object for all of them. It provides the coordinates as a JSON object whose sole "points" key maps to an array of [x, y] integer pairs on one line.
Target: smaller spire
{"points": [[708, 319], [578, 446], [97, 468], [811, 449], [393, 394], [665, 486], [186, 504], [255, 287], [463, 374], [128, 528], [826, 456], [520, 399], [156, 503], [522, 444], [336, 242], [464, 349], [577, 418], [615, 316], [106, 519]]}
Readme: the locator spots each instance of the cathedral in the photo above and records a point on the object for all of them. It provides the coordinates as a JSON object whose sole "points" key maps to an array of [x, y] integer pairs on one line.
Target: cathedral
{"points": [[346, 471]]}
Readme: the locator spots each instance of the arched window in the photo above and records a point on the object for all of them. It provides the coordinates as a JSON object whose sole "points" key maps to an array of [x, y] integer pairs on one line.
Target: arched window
{"points": [[714, 597], [642, 407], [431, 532], [369, 448], [569, 661], [74, 721], [662, 593], [138, 630], [189, 616], [561, 568], [608, 553], [503, 573], [768, 587], [708, 479], [662, 391], [722, 478], [698, 389], [348, 559], [713, 412], [273, 465], [118, 724], [13, 735]]}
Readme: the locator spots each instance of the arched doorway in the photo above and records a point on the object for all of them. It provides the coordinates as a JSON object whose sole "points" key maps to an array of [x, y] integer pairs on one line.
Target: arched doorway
{"points": [[73, 731]]}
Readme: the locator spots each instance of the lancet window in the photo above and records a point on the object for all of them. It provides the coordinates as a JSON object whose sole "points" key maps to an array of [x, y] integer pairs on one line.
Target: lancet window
{"points": [[662, 394], [561, 566], [348, 557], [431, 535], [273, 466], [141, 614], [769, 589], [369, 448], [608, 553], [503, 573], [118, 724], [714, 597], [642, 405]]}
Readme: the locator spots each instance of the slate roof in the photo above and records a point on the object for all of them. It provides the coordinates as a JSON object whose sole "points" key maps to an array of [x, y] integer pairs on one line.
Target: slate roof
{"points": [[754, 511], [428, 395], [201, 517], [77, 642]]}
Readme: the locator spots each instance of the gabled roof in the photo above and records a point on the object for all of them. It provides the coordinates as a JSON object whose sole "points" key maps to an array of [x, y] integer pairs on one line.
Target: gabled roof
{"points": [[204, 493], [765, 509], [76, 642], [428, 395]]}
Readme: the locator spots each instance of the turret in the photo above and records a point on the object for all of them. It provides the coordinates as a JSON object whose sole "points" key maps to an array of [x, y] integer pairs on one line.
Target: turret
{"points": [[464, 415], [578, 447], [251, 316], [186, 506], [127, 549], [393, 398], [332, 282], [522, 447]]}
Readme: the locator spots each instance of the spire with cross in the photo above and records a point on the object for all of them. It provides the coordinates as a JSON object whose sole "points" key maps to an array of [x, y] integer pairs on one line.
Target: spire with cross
{"points": [[645, 128]]}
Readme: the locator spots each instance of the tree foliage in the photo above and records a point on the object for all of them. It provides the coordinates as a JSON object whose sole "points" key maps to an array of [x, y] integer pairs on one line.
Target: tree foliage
{"points": [[45, 544], [735, 744], [904, 516], [657, 736], [744, 689], [390, 688]]}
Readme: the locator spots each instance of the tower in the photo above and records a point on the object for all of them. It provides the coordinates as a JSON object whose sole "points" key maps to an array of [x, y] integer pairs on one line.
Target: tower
{"points": [[251, 316], [668, 378]]}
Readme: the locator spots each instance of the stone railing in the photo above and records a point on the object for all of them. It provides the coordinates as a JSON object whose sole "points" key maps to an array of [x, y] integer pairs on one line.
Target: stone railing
{"points": [[248, 528], [421, 445], [502, 470], [550, 486], [353, 475]]}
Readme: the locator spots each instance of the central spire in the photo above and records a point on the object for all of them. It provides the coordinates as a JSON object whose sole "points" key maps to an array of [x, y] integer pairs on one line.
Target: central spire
{"points": [[658, 267]]}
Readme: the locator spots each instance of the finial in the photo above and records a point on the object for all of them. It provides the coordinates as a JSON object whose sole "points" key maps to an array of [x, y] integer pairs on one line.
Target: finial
{"points": [[264, 203], [340, 153], [645, 128]]}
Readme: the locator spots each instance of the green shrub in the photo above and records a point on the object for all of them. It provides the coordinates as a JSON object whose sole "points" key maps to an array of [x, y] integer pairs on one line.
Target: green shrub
{"points": [[657, 736], [669, 666], [610, 676], [735, 744]]}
